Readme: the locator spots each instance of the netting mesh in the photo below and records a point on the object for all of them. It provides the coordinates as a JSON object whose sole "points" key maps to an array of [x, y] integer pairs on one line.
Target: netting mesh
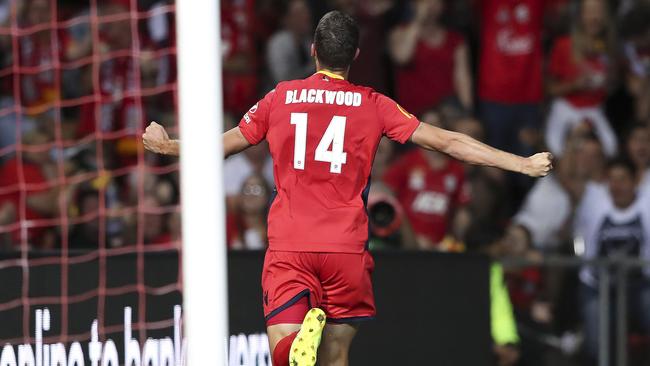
{"points": [[78, 194]]}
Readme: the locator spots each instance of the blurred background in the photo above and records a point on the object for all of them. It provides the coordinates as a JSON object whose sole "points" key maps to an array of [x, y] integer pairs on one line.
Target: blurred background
{"points": [[569, 283]]}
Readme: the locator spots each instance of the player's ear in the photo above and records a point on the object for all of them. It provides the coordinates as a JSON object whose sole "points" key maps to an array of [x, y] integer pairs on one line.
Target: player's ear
{"points": [[313, 51], [356, 54]]}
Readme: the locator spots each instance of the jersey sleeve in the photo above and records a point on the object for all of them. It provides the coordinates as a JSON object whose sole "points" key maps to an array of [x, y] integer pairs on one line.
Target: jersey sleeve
{"points": [[398, 124], [255, 123]]}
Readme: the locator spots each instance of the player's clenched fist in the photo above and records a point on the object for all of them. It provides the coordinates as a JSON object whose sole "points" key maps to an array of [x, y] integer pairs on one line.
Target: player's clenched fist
{"points": [[538, 165], [155, 138]]}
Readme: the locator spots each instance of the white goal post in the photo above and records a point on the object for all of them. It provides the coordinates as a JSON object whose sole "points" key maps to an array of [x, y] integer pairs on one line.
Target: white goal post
{"points": [[201, 125]]}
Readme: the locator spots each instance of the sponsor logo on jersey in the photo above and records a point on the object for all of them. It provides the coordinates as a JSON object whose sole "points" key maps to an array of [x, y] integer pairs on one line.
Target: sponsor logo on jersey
{"points": [[511, 43], [431, 203]]}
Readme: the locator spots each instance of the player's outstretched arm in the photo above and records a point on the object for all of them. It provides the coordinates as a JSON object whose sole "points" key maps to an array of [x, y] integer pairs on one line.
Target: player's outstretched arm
{"points": [[234, 142], [467, 149], [156, 139]]}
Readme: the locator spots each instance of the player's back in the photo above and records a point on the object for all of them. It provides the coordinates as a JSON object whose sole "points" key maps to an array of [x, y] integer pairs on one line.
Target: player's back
{"points": [[323, 133]]}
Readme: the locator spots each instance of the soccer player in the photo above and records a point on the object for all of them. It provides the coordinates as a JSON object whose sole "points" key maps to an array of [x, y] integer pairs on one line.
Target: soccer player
{"points": [[323, 133]]}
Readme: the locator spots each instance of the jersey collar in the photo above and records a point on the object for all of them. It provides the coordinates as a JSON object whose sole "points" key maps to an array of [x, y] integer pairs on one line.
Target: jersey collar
{"points": [[330, 74]]}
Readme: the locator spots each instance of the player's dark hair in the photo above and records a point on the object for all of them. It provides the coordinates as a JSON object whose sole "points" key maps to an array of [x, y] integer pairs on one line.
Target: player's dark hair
{"points": [[622, 162], [336, 40]]}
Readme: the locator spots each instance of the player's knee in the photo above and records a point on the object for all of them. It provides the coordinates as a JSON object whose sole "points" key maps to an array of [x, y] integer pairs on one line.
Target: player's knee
{"points": [[278, 332]]}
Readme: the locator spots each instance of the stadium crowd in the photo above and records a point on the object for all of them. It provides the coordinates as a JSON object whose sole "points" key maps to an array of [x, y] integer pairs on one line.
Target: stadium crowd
{"points": [[569, 76]]}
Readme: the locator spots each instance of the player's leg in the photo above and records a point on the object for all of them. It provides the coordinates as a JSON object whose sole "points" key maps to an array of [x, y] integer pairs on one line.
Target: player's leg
{"points": [[282, 327], [296, 342], [289, 291], [305, 346], [347, 299], [279, 332], [335, 345], [280, 338]]}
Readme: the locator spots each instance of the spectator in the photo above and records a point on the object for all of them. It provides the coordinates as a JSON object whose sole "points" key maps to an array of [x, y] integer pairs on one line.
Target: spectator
{"points": [[590, 162], [118, 107], [171, 233], [75, 43], [154, 222], [86, 209], [9, 124], [490, 199], [157, 70], [580, 73], [547, 211], [432, 61], [289, 50], [117, 77], [35, 50], [247, 228], [636, 47], [614, 222], [464, 216], [5, 12], [637, 148], [430, 187], [269, 18], [161, 228], [171, 236], [486, 186], [383, 158], [254, 160], [372, 66], [158, 63], [469, 126], [7, 216], [26, 189], [484, 239], [510, 72], [85, 234], [240, 55]]}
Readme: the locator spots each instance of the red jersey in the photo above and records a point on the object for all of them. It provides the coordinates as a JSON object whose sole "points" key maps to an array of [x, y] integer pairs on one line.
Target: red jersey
{"points": [[429, 78], [428, 196], [511, 51], [323, 133], [563, 67], [238, 23]]}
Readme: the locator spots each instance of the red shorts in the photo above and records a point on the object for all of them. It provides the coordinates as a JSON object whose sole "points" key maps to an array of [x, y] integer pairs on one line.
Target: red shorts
{"points": [[338, 283]]}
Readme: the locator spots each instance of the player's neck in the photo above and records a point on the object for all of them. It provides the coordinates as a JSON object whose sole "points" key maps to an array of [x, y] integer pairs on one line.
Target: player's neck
{"points": [[336, 74]]}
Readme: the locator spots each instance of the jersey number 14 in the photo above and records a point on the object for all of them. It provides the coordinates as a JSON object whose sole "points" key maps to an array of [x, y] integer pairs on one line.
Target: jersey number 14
{"points": [[334, 137]]}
